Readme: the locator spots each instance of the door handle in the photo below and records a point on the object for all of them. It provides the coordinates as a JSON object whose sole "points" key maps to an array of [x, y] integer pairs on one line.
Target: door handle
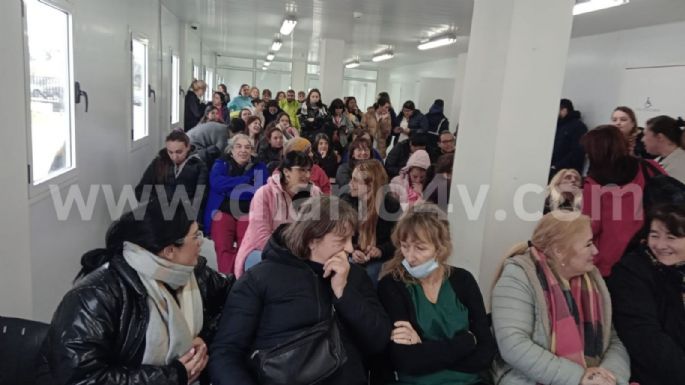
{"points": [[151, 92], [78, 93]]}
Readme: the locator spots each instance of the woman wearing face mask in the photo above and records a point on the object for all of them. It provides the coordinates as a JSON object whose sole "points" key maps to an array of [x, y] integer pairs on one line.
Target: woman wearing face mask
{"points": [[441, 331], [304, 279], [551, 311], [232, 185], [274, 204], [413, 179], [177, 170], [194, 107], [378, 211], [144, 308], [312, 115], [565, 191], [647, 294]]}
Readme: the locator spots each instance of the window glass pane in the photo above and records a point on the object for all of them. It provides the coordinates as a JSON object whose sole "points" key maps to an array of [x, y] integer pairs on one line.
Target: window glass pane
{"points": [[364, 92], [312, 69], [275, 81], [140, 82], [361, 74], [234, 78], [280, 66], [49, 45], [175, 89], [209, 78], [312, 82], [196, 72], [225, 61]]}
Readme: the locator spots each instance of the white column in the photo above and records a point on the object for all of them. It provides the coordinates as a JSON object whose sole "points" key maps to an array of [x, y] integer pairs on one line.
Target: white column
{"points": [[16, 293], [459, 74], [332, 62], [514, 76], [299, 75]]}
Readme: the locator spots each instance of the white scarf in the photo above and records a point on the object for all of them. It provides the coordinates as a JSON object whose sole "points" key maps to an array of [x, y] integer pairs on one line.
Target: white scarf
{"points": [[172, 325]]}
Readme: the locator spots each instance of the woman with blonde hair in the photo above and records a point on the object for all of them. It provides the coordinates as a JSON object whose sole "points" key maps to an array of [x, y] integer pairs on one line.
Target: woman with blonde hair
{"points": [[441, 331], [194, 107], [565, 191], [378, 211], [551, 311]]}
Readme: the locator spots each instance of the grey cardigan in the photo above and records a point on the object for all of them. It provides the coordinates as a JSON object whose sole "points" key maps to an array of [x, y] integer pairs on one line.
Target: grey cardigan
{"points": [[522, 329]]}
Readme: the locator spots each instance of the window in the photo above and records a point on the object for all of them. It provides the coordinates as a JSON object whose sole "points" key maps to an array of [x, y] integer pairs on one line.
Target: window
{"points": [[175, 89], [209, 78], [49, 42], [196, 72], [140, 84]]}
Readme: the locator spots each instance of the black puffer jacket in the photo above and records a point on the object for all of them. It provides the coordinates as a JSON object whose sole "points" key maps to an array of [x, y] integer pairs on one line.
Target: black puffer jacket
{"points": [[97, 334], [568, 153], [193, 175], [649, 317], [283, 295]]}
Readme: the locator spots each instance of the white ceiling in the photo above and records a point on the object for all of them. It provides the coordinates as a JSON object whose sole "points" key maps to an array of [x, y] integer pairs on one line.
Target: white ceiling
{"points": [[247, 27]]}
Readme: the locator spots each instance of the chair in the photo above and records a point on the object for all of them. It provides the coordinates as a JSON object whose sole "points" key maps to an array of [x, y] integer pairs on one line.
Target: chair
{"points": [[20, 342]]}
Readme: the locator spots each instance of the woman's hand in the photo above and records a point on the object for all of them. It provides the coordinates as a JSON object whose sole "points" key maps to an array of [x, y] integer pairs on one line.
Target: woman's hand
{"points": [[195, 360], [404, 334], [373, 252], [358, 256], [598, 376], [338, 268]]}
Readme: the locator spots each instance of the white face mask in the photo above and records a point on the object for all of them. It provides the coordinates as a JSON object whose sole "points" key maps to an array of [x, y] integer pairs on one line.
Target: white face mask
{"points": [[421, 271]]}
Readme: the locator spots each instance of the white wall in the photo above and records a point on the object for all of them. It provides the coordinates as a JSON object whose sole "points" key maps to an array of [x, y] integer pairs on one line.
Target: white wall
{"points": [[40, 252], [596, 65]]}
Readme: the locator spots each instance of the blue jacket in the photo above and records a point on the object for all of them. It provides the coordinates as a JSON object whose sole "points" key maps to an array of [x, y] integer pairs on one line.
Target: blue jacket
{"points": [[240, 102], [223, 186]]}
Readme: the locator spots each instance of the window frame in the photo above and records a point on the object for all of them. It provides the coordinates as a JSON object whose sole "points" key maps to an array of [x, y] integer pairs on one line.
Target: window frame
{"points": [[39, 189], [142, 141], [175, 116]]}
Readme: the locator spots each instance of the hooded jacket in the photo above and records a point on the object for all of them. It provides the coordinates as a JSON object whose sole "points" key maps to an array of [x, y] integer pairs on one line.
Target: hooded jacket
{"points": [[271, 207], [401, 184], [97, 334], [283, 295], [567, 152], [210, 140]]}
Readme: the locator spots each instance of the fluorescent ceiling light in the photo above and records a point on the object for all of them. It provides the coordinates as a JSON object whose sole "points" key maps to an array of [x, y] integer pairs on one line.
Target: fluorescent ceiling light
{"points": [[352, 64], [265, 68], [596, 5], [267, 63], [288, 25], [437, 41], [383, 56], [270, 56], [276, 45]]}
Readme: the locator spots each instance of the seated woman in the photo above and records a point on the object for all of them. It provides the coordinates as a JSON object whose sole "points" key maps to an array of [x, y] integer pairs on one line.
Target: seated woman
{"points": [[565, 191], [273, 205], [551, 311], [144, 308], [219, 102], [360, 149], [232, 184], [318, 175], [284, 124], [647, 294], [303, 280], [442, 333], [325, 156], [413, 179], [378, 211], [253, 129], [271, 149], [177, 170]]}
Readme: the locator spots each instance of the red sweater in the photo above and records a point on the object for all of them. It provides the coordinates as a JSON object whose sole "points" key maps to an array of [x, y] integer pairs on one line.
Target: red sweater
{"points": [[612, 231]]}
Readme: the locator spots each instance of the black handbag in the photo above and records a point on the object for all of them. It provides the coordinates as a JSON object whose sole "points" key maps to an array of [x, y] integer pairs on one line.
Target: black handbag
{"points": [[307, 358]]}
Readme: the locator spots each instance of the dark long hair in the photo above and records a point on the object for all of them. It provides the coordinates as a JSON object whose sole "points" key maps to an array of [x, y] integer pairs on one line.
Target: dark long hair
{"points": [[152, 226], [163, 163], [666, 126], [610, 160]]}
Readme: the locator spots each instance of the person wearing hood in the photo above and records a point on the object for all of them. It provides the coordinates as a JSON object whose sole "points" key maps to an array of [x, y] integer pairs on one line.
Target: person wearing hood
{"points": [[413, 179], [304, 280], [437, 122], [410, 121], [275, 204], [241, 101], [271, 112], [567, 152], [399, 155], [177, 170], [232, 185]]}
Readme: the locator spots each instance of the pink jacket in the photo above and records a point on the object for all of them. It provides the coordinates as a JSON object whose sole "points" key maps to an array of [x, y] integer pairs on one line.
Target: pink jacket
{"points": [[613, 231], [270, 208]]}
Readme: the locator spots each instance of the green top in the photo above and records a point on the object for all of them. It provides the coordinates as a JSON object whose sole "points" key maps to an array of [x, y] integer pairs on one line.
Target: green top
{"points": [[439, 321]]}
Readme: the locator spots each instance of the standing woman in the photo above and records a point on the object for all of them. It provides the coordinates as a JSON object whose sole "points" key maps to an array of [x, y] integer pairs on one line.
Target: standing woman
{"points": [[551, 311], [441, 330], [177, 170], [232, 185], [144, 308], [378, 211], [354, 114], [612, 193], [273, 205], [194, 108], [312, 115], [663, 138], [624, 118], [647, 293]]}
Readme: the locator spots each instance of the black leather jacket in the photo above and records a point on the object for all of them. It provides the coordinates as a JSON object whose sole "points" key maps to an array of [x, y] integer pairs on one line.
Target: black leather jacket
{"points": [[97, 334]]}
